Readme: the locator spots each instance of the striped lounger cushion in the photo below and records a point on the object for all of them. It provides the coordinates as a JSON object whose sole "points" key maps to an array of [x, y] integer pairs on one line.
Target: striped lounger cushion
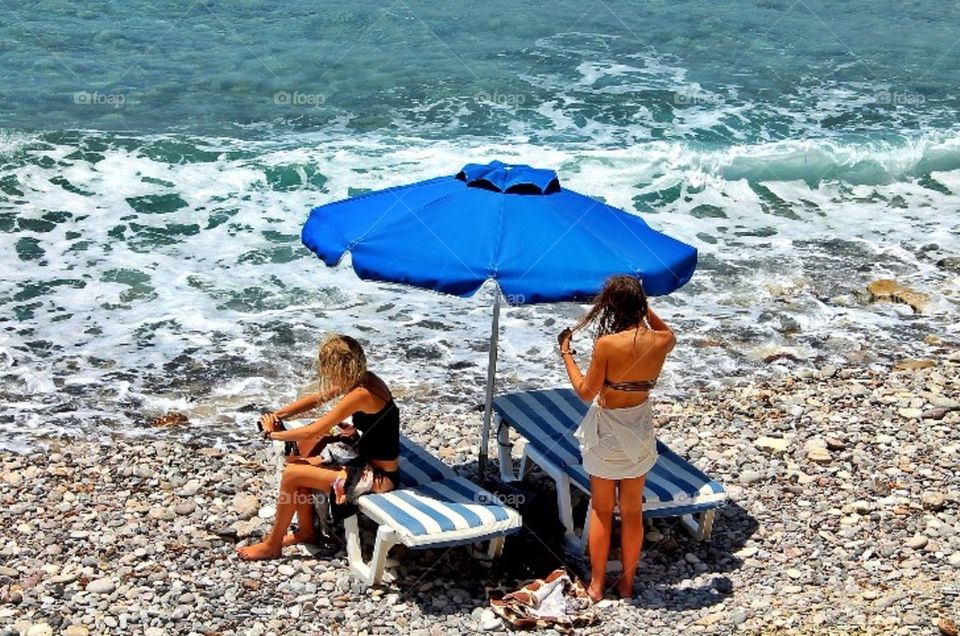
{"points": [[417, 466], [449, 512], [547, 420]]}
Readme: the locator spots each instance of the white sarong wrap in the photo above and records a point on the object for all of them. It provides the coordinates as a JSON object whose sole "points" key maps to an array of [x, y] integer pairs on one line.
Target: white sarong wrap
{"points": [[618, 443]]}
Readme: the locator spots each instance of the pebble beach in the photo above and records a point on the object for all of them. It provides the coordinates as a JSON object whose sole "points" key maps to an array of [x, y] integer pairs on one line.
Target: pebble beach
{"points": [[159, 161], [844, 517]]}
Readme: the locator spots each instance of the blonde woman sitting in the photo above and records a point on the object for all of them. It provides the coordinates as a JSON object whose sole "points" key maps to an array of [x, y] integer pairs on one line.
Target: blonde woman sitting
{"points": [[363, 459]]}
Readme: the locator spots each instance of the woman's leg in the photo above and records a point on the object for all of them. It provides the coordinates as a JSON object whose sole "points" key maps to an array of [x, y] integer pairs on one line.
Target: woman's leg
{"points": [[305, 532], [307, 447], [295, 478], [602, 495], [631, 531]]}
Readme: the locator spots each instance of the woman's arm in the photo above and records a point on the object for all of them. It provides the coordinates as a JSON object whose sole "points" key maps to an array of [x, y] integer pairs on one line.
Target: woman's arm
{"points": [[351, 403], [657, 324], [269, 420], [587, 387], [305, 403]]}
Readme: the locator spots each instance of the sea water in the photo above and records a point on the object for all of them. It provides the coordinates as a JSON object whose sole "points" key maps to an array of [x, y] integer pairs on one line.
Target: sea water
{"points": [[157, 160]]}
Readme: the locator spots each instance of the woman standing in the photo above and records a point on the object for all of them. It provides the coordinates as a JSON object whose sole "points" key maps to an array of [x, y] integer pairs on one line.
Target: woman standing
{"points": [[617, 439], [365, 398]]}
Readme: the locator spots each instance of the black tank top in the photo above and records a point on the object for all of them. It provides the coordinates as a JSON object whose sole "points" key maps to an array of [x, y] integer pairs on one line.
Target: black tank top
{"points": [[379, 433]]}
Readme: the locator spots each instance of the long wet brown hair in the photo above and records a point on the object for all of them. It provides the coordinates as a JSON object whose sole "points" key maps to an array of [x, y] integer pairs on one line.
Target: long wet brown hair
{"points": [[620, 305], [341, 363]]}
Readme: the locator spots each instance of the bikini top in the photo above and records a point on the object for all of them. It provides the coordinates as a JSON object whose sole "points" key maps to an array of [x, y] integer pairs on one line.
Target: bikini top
{"points": [[379, 433], [639, 385]]}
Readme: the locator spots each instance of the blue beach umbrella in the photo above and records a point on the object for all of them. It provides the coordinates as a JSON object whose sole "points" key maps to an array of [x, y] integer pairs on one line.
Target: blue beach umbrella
{"points": [[510, 223]]}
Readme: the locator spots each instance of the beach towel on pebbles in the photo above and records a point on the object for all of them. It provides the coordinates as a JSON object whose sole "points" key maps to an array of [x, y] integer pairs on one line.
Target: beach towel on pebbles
{"points": [[557, 602]]}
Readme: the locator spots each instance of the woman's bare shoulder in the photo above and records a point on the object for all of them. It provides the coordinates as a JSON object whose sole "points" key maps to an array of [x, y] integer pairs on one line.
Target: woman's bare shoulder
{"points": [[376, 388]]}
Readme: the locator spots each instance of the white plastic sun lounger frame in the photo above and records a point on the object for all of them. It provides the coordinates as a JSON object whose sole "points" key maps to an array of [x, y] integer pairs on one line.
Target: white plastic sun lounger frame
{"points": [[697, 515], [433, 487]]}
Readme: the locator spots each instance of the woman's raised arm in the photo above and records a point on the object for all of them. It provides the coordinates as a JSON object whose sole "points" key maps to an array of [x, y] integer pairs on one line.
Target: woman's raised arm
{"points": [[657, 324], [306, 403], [350, 404], [587, 387]]}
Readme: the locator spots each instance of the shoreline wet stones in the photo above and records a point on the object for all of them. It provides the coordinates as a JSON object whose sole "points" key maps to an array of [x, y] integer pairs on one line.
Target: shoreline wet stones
{"points": [[844, 517]]}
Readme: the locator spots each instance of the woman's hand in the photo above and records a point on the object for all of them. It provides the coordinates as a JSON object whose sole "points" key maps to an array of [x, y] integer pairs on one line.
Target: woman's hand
{"points": [[564, 339], [269, 422]]}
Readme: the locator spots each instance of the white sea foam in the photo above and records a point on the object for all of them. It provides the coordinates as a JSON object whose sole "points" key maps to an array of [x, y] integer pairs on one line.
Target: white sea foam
{"points": [[214, 301]]}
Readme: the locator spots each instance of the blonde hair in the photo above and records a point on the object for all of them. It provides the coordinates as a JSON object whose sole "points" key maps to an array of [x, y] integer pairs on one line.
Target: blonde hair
{"points": [[341, 363]]}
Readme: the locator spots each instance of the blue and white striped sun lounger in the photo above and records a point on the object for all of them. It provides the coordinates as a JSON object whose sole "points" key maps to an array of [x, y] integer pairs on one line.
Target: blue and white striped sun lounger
{"points": [[547, 419], [433, 508]]}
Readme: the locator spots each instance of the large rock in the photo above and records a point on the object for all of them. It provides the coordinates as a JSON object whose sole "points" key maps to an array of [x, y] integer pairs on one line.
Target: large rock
{"points": [[775, 445], [882, 289], [917, 301], [913, 364], [190, 488], [101, 586], [489, 621], [170, 420], [886, 289], [185, 508], [950, 264], [932, 500], [246, 505]]}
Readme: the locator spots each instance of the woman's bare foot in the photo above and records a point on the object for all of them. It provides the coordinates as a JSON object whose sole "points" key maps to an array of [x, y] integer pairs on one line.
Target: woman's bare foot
{"points": [[595, 592], [295, 538], [624, 589], [259, 552]]}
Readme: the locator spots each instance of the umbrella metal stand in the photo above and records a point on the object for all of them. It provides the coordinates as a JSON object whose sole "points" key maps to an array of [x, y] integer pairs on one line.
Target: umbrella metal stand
{"points": [[491, 377]]}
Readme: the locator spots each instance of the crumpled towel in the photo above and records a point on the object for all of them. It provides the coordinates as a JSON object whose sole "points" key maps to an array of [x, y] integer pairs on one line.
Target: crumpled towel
{"points": [[557, 602]]}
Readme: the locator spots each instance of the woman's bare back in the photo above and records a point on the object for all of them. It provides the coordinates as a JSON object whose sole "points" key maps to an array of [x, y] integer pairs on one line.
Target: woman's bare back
{"points": [[633, 356]]}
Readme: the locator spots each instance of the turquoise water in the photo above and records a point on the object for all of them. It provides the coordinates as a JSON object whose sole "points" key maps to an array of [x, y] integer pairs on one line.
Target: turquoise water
{"points": [[157, 161], [707, 72]]}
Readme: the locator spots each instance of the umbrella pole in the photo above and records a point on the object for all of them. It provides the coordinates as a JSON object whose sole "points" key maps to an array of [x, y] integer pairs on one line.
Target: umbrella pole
{"points": [[491, 376]]}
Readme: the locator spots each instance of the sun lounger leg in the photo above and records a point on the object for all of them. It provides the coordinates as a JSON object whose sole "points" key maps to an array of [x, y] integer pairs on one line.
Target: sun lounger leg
{"points": [[526, 466], [706, 525], [386, 539], [354, 553], [564, 504], [493, 551], [504, 449], [585, 534], [371, 573], [496, 547], [700, 526]]}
